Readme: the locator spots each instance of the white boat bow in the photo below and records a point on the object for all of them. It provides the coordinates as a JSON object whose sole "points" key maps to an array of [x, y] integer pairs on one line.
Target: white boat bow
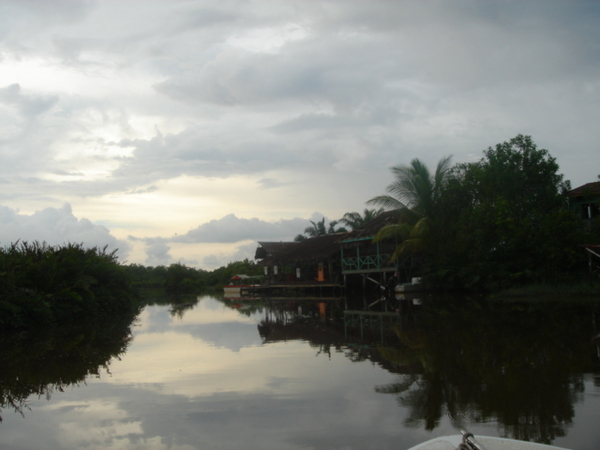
{"points": [[468, 442]]}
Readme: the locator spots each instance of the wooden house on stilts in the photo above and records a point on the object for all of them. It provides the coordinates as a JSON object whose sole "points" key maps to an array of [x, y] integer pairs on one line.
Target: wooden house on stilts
{"points": [[349, 262]]}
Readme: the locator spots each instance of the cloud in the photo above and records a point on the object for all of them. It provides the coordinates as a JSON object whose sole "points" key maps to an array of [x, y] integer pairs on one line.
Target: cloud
{"points": [[303, 105], [57, 226], [231, 229], [239, 253], [29, 105], [157, 252]]}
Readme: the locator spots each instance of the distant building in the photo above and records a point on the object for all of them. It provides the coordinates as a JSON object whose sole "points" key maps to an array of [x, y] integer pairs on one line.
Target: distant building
{"points": [[585, 200], [347, 259]]}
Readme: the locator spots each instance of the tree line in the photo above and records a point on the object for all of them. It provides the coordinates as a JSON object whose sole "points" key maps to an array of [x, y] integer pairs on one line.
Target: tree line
{"points": [[54, 286], [499, 222], [492, 224], [43, 286], [177, 278]]}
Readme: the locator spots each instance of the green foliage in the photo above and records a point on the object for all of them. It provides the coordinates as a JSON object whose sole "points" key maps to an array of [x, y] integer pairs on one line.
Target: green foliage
{"points": [[174, 279], [355, 220], [416, 190], [180, 279], [42, 285], [221, 276], [419, 196], [320, 229], [500, 222], [511, 223]]}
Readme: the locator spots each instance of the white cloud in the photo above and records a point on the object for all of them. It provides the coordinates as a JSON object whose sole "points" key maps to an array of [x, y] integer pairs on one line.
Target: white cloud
{"points": [[56, 226], [157, 253]]}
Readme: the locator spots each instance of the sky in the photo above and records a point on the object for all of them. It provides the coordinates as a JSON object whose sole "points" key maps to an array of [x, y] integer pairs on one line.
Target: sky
{"points": [[186, 131]]}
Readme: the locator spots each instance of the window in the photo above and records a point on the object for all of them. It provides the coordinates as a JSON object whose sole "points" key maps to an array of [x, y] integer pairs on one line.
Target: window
{"points": [[589, 210]]}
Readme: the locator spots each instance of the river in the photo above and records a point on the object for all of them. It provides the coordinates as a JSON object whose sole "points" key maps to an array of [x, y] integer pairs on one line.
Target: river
{"points": [[214, 373]]}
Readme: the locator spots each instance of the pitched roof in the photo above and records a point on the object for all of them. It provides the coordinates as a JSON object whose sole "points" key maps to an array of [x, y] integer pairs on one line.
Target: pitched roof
{"points": [[320, 247], [268, 249], [586, 189], [316, 248]]}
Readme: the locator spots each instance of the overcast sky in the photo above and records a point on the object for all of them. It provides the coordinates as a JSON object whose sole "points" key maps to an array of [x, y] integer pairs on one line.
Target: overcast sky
{"points": [[185, 131]]}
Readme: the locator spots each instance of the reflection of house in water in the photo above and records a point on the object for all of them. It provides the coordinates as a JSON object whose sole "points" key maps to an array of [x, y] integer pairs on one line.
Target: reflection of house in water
{"points": [[326, 326], [324, 265], [306, 320]]}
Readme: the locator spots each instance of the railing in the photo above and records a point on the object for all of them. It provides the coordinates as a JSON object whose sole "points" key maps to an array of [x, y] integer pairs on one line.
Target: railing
{"points": [[365, 262]]}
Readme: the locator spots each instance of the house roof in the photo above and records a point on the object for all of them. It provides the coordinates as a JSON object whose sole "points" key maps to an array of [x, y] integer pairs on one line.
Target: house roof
{"points": [[268, 249], [316, 248], [323, 247], [586, 189]]}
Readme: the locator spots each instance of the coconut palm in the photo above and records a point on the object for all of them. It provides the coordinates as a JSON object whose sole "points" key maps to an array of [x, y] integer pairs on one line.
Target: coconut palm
{"points": [[355, 220], [415, 189], [417, 194], [319, 229], [316, 228], [331, 228]]}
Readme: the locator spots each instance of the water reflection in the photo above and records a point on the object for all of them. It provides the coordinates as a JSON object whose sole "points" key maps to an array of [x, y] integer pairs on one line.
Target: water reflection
{"points": [[41, 363], [519, 364], [293, 373]]}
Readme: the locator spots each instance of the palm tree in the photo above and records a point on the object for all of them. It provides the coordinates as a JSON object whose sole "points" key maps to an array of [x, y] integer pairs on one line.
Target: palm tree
{"points": [[356, 221], [319, 229], [331, 228], [316, 229], [415, 190], [418, 195]]}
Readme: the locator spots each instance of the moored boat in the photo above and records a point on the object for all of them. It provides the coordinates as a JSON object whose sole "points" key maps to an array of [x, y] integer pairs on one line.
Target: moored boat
{"points": [[413, 286], [238, 285]]}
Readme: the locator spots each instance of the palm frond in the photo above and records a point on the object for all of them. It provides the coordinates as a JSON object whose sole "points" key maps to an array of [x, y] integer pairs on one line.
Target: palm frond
{"points": [[399, 231], [387, 202]]}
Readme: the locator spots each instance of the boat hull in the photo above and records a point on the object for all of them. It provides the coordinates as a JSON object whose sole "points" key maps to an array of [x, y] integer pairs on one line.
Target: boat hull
{"points": [[239, 290], [232, 290], [488, 443]]}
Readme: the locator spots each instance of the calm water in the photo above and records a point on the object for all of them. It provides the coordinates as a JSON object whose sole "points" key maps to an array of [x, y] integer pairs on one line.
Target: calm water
{"points": [[217, 374]]}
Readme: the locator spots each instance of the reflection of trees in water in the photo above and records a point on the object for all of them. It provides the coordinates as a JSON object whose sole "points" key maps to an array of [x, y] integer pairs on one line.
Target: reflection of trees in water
{"points": [[518, 364], [178, 304], [246, 306], [51, 360]]}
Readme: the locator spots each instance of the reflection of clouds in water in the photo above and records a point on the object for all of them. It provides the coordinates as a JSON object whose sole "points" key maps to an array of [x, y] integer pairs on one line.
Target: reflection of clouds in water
{"points": [[133, 417], [259, 398], [232, 336], [207, 321], [209, 310], [205, 382], [176, 363]]}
